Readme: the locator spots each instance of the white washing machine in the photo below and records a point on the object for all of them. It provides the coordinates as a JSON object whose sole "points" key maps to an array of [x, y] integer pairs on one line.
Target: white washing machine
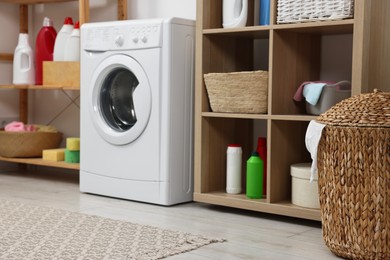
{"points": [[137, 83]]}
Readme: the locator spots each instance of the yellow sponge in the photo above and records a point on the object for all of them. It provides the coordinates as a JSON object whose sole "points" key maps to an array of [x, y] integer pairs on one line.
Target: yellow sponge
{"points": [[73, 143], [53, 154]]}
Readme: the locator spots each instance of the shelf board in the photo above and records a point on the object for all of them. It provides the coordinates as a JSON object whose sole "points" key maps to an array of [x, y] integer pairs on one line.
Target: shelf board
{"points": [[294, 117], [285, 208], [39, 161], [260, 116], [39, 87], [235, 115], [6, 56], [257, 32], [34, 1], [319, 27]]}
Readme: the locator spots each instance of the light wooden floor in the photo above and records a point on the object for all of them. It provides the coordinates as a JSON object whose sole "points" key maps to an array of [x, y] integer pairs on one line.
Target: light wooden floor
{"points": [[249, 235]]}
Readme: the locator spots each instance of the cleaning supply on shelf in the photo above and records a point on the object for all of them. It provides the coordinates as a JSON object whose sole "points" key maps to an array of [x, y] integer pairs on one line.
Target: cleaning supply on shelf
{"points": [[262, 151], [264, 12], [73, 143], [234, 13], [72, 151], [304, 193], [72, 156], [72, 49], [44, 47], [254, 177], [55, 155], [23, 65], [62, 39], [233, 169]]}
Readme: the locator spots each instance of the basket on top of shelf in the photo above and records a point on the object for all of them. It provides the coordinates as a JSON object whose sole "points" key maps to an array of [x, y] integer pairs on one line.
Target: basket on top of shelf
{"points": [[27, 144], [238, 92], [354, 177], [295, 11]]}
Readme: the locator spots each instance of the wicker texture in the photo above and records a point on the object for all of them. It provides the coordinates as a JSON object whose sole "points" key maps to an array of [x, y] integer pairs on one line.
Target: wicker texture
{"points": [[27, 144], [238, 92], [372, 109], [354, 177], [294, 11]]}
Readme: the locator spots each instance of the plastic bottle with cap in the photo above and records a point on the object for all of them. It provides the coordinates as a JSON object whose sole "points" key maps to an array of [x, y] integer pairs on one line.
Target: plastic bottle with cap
{"points": [[264, 17], [233, 169], [44, 47], [72, 49], [254, 177], [62, 39], [23, 64], [262, 151]]}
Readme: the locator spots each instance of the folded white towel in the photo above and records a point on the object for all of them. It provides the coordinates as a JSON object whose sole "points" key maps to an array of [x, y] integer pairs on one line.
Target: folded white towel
{"points": [[312, 139]]}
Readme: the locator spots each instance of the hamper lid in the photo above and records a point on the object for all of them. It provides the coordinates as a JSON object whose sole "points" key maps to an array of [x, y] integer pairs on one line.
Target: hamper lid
{"points": [[371, 109]]}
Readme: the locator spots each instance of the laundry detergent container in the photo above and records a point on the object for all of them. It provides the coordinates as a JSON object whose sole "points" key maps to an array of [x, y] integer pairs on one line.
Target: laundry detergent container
{"points": [[303, 192], [354, 177]]}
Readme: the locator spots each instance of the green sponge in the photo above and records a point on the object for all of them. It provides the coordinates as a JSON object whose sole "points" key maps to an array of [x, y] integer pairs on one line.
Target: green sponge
{"points": [[72, 156]]}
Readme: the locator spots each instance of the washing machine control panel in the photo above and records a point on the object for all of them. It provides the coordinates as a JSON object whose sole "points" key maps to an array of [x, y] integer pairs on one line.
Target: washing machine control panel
{"points": [[123, 36]]}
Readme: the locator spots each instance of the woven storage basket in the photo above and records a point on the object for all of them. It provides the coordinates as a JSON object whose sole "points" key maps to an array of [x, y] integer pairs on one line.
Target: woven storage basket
{"points": [[238, 92], [354, 177], [295, 11], [27, 144]]}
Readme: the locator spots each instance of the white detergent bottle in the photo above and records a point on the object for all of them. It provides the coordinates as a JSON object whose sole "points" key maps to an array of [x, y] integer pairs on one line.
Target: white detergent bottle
{"points": [[72, 49], [23, 66], [62, 39]]}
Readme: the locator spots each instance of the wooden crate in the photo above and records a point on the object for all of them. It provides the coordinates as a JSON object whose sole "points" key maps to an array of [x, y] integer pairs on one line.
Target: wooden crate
{"points": [[61, 73]]}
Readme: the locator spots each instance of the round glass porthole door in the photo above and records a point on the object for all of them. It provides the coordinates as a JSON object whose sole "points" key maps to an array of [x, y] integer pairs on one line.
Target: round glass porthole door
{"points": [[121, 99], [116, 99]]}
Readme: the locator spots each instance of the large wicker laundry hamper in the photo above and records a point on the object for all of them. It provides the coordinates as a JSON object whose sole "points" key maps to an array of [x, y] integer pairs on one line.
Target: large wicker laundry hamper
{"points": [[354, 177]]}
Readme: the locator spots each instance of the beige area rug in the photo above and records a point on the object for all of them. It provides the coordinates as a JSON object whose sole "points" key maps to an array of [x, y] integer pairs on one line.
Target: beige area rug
{"points": [[34, 232]]}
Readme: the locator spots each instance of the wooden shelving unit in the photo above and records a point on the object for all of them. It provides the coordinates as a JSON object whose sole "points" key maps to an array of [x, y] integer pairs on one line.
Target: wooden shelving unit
{"points": [[39, 161], [40, 87], [24, 89], [294, 56]]}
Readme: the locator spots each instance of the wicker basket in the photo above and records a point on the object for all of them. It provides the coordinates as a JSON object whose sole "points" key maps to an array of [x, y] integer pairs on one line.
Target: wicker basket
{"points": [[354, 177], [238, 92], [27, 144], [295, 11]]}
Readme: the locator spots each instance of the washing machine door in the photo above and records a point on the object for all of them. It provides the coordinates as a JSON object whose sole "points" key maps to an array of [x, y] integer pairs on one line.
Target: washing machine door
{"points": [[120, 99]]}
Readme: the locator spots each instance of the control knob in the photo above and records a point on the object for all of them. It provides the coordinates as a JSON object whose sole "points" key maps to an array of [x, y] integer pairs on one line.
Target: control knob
{"points": [[119, 40]]}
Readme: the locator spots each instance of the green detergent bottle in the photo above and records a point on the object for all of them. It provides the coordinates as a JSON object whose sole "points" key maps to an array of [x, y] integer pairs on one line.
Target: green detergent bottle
{"points": [[254, 177]]}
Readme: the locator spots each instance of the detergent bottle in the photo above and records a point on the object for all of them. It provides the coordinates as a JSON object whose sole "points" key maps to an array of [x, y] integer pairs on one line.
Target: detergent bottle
{"points": [[72, 49], [233, 169], [62, 39], [254, 177], [44, 47], [262, 151], [23, 65]]}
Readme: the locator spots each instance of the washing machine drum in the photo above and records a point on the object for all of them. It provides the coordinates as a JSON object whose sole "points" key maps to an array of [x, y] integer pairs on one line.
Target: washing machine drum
{"points": [[121, 99]]}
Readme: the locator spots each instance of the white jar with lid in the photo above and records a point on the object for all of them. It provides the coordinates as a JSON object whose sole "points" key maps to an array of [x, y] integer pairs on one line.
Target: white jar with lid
{"points": [[233, 168]]}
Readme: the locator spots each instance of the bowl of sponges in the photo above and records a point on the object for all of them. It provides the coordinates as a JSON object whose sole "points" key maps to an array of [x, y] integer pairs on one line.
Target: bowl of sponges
{"points": [[19, 140]]}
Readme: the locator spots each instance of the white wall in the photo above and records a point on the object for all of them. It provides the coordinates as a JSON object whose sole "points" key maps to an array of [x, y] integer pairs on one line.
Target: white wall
{"points": [[9, 26], [161, 8]]}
